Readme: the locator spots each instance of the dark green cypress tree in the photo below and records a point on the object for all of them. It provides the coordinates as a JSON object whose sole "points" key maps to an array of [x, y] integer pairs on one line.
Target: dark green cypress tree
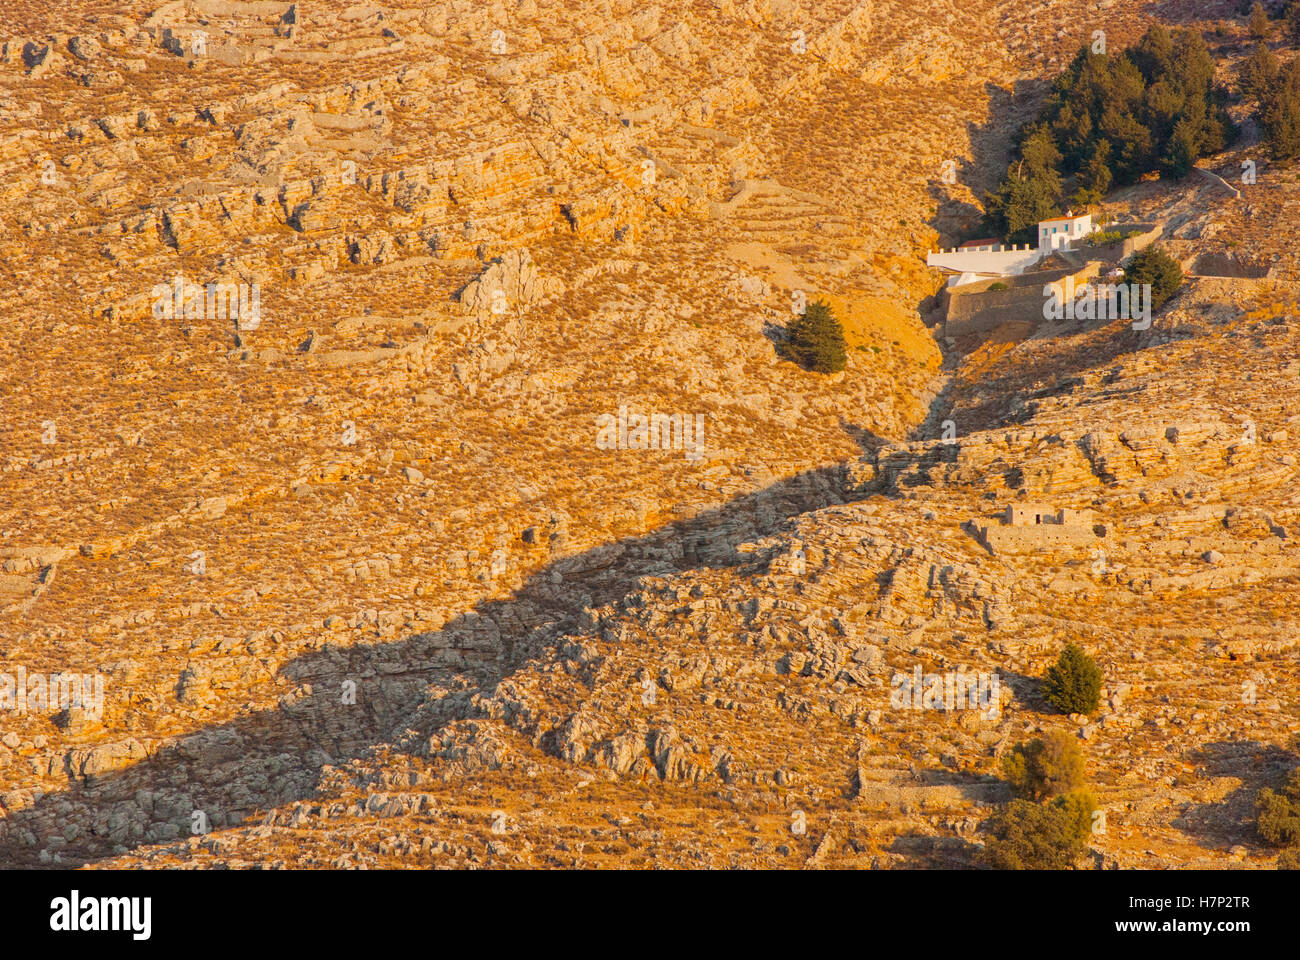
{"points": [[1073, 683], [816, 340]]}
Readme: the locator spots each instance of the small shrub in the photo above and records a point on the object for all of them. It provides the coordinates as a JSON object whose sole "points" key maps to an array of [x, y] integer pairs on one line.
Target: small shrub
{"points": [[1073, 683], [816, 340], [1046, 767], [1034, 836], [1104, 237], [999, 285], [1278, 820]]}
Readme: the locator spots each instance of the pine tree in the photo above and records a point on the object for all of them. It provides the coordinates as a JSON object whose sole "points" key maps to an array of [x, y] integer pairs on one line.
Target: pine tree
{"points": [[1182, 151], [1017, 206], [1259, 74], [1260, 27], [1073, 683], [1154, 53], [1279, 115], [1042, 159], [816, 340], [1096, 174], [1291, 24], [1284, 127]]}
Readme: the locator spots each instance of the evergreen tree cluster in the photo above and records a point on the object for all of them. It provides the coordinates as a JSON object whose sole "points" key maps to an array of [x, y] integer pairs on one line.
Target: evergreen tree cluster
{"points": [[1276, 94], [1108, 121]]}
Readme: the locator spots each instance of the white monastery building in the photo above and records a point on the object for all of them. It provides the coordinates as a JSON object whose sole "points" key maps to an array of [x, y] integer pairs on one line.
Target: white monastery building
{"points": [[981, 259]]}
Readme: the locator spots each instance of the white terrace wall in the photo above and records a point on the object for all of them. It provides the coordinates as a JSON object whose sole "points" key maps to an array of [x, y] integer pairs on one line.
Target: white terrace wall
{"points": [[998, 260]]}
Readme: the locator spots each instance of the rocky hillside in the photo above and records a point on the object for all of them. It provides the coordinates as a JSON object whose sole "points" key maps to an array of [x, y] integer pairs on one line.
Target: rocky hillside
{"points": [[366, 587]]}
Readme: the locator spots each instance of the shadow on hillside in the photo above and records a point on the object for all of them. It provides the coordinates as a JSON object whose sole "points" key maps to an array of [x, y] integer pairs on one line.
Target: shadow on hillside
{"points": [[1009, 394], [925, 852], [1221, 825], [868, 442], [273, 757], [991, 145]]}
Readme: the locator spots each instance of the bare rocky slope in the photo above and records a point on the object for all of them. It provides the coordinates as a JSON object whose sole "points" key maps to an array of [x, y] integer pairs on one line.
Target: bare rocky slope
{"points": [[365, 588]]}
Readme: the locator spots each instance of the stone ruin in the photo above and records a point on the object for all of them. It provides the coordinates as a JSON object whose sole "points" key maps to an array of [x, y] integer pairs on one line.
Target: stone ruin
{"points": [[1027, 527]]}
